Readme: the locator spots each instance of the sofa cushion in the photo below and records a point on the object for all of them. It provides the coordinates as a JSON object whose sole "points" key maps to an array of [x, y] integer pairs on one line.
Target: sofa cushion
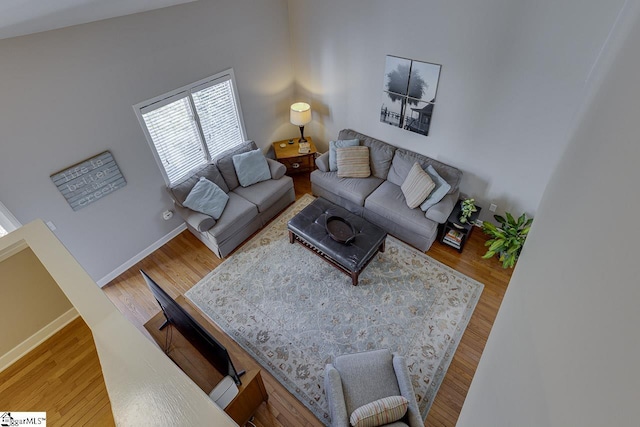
{"points": [[264, 194], [380, 412], [403, 160], [207, 198], [353, 162], [224, 162], [441, 189], [440, 211], [388, 202], [417, 186], [238, 213], [251, 167], [277, 169], [334, 145], [180, 190], [380, 153], [355, 190]]}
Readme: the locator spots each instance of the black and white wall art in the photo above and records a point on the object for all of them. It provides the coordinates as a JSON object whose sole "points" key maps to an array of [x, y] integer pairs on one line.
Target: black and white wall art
{"points": [[409, 93]]}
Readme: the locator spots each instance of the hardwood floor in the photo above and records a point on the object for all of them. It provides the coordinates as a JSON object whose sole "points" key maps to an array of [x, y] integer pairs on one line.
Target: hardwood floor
{"points": [[63, 377], [182, 262]]}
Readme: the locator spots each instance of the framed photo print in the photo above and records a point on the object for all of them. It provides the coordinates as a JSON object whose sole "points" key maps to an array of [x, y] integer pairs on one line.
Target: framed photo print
{"points": [[409, 93]]}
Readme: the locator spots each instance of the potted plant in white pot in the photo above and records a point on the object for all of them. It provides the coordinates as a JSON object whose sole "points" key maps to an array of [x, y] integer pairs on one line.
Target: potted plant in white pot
{"points": [[508, 239]]}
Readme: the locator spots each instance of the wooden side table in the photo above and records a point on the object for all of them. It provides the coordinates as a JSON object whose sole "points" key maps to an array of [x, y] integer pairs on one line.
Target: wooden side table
{"points": [[290, 157], [453, 232]]}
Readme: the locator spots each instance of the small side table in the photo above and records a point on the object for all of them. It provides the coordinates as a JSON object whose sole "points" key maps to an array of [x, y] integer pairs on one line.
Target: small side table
{"points": [[453, 232], [290, 157]]}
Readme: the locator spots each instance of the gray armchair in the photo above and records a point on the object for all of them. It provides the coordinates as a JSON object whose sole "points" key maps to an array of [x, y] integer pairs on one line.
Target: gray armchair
{"points": [[357, 379]]}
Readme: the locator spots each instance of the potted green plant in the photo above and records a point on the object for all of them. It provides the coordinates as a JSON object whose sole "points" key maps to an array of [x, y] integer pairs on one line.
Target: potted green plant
{"points": [[467, 207], [508, 239]]}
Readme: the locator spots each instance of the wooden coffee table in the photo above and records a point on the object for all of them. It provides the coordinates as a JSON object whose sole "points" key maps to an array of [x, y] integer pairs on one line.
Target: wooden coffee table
{"points": [[308, 229]]}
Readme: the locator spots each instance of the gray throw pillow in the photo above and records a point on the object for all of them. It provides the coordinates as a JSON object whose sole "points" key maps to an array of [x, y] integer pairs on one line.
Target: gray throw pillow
{"points": [[251, 167], [334, 145], [438, 193], [207, 198]]}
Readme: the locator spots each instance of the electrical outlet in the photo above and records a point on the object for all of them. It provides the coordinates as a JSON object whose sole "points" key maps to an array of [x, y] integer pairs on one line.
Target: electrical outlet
{"points": [[479, 223], [51, 226], [493, 207]]}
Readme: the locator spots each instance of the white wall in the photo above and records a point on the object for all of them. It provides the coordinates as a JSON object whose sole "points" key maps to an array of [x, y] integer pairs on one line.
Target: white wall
{"points": [[564, 348], [513, 74], [67, 95]]}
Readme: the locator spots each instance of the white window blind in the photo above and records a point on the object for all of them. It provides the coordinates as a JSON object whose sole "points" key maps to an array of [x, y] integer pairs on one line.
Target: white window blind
{"points": [[189, 126], [217, 111], [175, 135]]}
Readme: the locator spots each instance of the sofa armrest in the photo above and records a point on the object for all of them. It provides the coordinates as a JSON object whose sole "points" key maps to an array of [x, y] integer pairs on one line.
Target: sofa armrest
{"points": [[406, 389], [441, 210], [322, 162], [335, 397], [197, 220], [276, 168]]}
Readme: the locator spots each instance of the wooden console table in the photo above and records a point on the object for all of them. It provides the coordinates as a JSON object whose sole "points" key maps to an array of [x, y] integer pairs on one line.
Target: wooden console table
{"points": [[251, 393]]}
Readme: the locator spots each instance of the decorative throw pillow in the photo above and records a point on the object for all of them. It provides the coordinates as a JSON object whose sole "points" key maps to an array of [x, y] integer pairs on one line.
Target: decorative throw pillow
{"points": [[353, 162], [383, 411], [417, 186], [441, 190], [208, 198], [251, 167], [333, 155]]}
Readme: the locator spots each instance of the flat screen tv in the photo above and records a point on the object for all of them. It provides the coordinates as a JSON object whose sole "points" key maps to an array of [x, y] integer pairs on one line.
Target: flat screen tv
{"points": [[198, 336]]}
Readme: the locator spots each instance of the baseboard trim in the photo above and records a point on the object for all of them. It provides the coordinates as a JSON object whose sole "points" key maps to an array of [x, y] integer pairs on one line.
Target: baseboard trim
{"points": [[142, 255], [36, 339]]}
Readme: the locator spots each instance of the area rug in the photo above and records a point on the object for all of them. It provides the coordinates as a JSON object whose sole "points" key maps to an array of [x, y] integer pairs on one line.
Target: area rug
{"points": [[293, 312]]}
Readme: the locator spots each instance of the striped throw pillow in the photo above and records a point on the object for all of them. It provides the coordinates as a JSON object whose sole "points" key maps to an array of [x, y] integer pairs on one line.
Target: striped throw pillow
{"points": [[384, 411], [417, 186], [353, 162]]}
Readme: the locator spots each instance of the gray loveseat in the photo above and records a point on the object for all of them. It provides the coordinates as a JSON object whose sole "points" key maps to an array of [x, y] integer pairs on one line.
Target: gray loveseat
{"points": [[379, 198], [248, 209]]}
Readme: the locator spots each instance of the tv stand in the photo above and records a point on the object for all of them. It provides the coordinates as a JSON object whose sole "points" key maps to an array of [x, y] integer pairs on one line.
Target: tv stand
{"points": [[251, 393]]}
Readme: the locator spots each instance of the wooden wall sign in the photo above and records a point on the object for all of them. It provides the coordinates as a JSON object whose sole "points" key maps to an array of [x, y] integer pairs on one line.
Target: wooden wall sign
{"points": [[90, 180]]}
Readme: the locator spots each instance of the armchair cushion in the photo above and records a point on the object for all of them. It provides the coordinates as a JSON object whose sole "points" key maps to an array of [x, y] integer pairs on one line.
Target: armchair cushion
{"points": [[366, 377], [251, 167], [206, 197], [382, 411]]}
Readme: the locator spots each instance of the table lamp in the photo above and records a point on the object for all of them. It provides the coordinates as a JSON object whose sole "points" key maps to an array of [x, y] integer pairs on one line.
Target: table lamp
{"points": [[300, 116]]}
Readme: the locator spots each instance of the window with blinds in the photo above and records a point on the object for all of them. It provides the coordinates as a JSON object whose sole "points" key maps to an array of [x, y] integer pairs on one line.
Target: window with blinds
{"points": [[189, 126]]}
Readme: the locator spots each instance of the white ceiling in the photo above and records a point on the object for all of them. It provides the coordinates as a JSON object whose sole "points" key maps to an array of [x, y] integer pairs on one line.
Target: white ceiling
{"points": [[20, 17]]}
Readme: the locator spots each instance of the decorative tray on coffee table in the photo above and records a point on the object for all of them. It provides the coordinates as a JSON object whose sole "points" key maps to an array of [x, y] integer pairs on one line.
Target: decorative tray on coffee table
{"points": [[340, 230]]}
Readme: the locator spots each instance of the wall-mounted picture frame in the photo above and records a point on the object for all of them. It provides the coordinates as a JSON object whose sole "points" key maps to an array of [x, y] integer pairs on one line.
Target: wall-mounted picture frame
{"points": [[409, 93]]}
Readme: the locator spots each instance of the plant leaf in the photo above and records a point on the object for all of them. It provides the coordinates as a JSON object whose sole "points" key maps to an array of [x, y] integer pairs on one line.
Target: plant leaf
{"points": [[488, 255]]}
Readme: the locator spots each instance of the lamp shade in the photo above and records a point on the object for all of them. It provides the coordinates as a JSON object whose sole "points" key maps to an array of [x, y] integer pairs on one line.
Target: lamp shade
{"points": [[300, 113]]}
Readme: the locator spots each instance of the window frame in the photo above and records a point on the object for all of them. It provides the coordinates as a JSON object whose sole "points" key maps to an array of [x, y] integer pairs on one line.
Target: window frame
{"points": [[7, 221], [186, 92]]}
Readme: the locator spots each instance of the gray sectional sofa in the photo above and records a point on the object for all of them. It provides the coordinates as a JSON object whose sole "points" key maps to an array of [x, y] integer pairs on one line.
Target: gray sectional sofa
{"points": [[248, 209], [379, 198]]}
